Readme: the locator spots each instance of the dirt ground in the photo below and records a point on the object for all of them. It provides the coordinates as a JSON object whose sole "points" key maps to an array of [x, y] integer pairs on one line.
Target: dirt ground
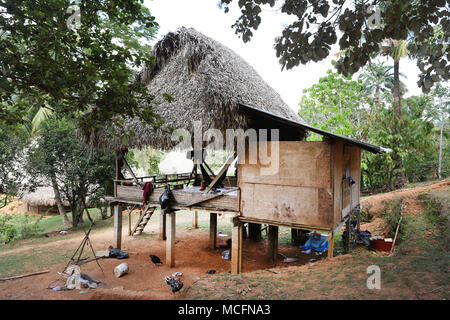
{"points": [[144, 280], [374, 205], [194, 258]]}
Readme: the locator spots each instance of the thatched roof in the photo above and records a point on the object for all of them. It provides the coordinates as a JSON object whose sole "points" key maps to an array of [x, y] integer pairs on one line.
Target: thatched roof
{"points": [[207, 81], [42, 196]]}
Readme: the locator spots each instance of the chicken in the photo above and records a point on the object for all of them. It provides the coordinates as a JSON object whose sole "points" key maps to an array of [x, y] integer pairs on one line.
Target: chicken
{"points": [[175, 285], [156, 260]]}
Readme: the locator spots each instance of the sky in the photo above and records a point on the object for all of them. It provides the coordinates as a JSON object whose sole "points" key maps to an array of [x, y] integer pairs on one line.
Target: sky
{"points": [[206, 17]]}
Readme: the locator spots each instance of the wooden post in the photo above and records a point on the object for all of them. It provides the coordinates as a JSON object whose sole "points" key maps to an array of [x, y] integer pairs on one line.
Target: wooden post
{"points": [[170, 243], [162, 225], [129, 222], [117, 174], [272, 253], [347, 235], [195, 220], [295, 236], [254, 231], [330, 239], [358, 217], [213, 230], [236, 247], [118, 226]]}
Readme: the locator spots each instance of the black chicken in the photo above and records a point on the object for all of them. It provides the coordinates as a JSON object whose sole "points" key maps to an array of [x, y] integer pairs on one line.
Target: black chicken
{"points": [[156, 260], [175, 285]]}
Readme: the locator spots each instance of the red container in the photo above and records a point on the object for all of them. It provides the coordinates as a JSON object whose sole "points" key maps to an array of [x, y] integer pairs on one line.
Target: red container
{"points": [[380, 245]]}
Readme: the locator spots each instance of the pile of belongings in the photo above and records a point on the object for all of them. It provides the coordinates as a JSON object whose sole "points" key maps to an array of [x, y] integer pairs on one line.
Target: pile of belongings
{"points": [[75, 279], [316, 241], [362, 237], [118, 254]]}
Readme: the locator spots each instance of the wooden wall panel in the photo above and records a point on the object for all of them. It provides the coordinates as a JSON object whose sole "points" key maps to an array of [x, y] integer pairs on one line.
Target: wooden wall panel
{"points": [[291, 204], [299, 192], [337, 155], [301, 163], [355, 173]]}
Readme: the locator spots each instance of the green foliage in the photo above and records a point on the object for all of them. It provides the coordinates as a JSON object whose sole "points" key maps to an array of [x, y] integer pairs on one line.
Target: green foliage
{"points": [[46, 62], [410, 137], [12, 142], [318, 24], [7, 231], [391, 215], [27, 228], [79, 172], [336, 103], [363, 110]]}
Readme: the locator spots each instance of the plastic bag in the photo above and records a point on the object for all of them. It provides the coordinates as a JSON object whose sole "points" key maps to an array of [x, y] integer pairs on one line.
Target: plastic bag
{"points": [[226, 255], [165, 198], [118, 254]]}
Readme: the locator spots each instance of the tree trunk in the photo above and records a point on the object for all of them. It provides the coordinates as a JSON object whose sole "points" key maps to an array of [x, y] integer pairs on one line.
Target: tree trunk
{"points": [[440, 151], [396, 93], [59, 204]]}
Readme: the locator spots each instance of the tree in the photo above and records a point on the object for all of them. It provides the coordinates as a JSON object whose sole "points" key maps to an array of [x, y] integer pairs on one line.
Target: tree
{"points": [[336, 103], [72, 69], [441, 114], [378, 79], [361, 27], [33, 121], [79, 173], [12, 143], [397, 49]]}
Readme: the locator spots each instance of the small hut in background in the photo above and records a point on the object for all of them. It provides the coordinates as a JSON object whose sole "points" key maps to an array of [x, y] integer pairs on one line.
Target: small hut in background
{"points": [[42, 200]]}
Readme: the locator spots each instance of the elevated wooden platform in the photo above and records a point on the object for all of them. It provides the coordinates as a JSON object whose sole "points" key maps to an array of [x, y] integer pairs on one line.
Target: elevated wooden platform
{"points": [[188, 198]]}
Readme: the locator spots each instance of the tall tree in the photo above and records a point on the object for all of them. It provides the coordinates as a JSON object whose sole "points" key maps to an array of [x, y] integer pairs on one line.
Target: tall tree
{"points": [[12, 144], [336, 103], [78, 173], [378, 79], [359, 26], [397, 49], [441, 114], [47, 59]]}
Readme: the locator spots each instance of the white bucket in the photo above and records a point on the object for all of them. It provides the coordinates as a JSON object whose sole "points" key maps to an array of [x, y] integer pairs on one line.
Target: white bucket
{"points": [[121, 269]]}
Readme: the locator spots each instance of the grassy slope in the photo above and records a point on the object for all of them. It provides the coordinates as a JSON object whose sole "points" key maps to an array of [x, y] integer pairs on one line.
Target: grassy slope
{"points": [[418, 270]]}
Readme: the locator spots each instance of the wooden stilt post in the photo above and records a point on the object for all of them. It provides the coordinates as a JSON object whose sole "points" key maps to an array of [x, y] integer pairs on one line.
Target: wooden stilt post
{"points": [[195, 220], [129, 222], [162, 225], [236, 247], [170, 243], [347, 236], [295, 236], [118, 226], [358, 217], [213, 230], [330, 239], [272, 253]]}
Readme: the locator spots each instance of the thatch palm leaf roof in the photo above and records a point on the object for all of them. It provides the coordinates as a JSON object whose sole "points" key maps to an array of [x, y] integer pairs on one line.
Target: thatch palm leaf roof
{"points": [[207, 80]]}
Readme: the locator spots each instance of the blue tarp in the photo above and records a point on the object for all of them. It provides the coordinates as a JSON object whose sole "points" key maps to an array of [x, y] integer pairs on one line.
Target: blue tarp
{"points": [[316, 244]]}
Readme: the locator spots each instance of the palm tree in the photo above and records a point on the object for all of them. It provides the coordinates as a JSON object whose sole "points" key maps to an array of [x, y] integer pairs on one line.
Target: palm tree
{"points": [[397, 49], [378, 78]]}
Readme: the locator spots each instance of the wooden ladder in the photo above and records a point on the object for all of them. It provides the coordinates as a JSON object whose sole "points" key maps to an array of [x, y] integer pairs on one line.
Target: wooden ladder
{"points": [[145, 215]]}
